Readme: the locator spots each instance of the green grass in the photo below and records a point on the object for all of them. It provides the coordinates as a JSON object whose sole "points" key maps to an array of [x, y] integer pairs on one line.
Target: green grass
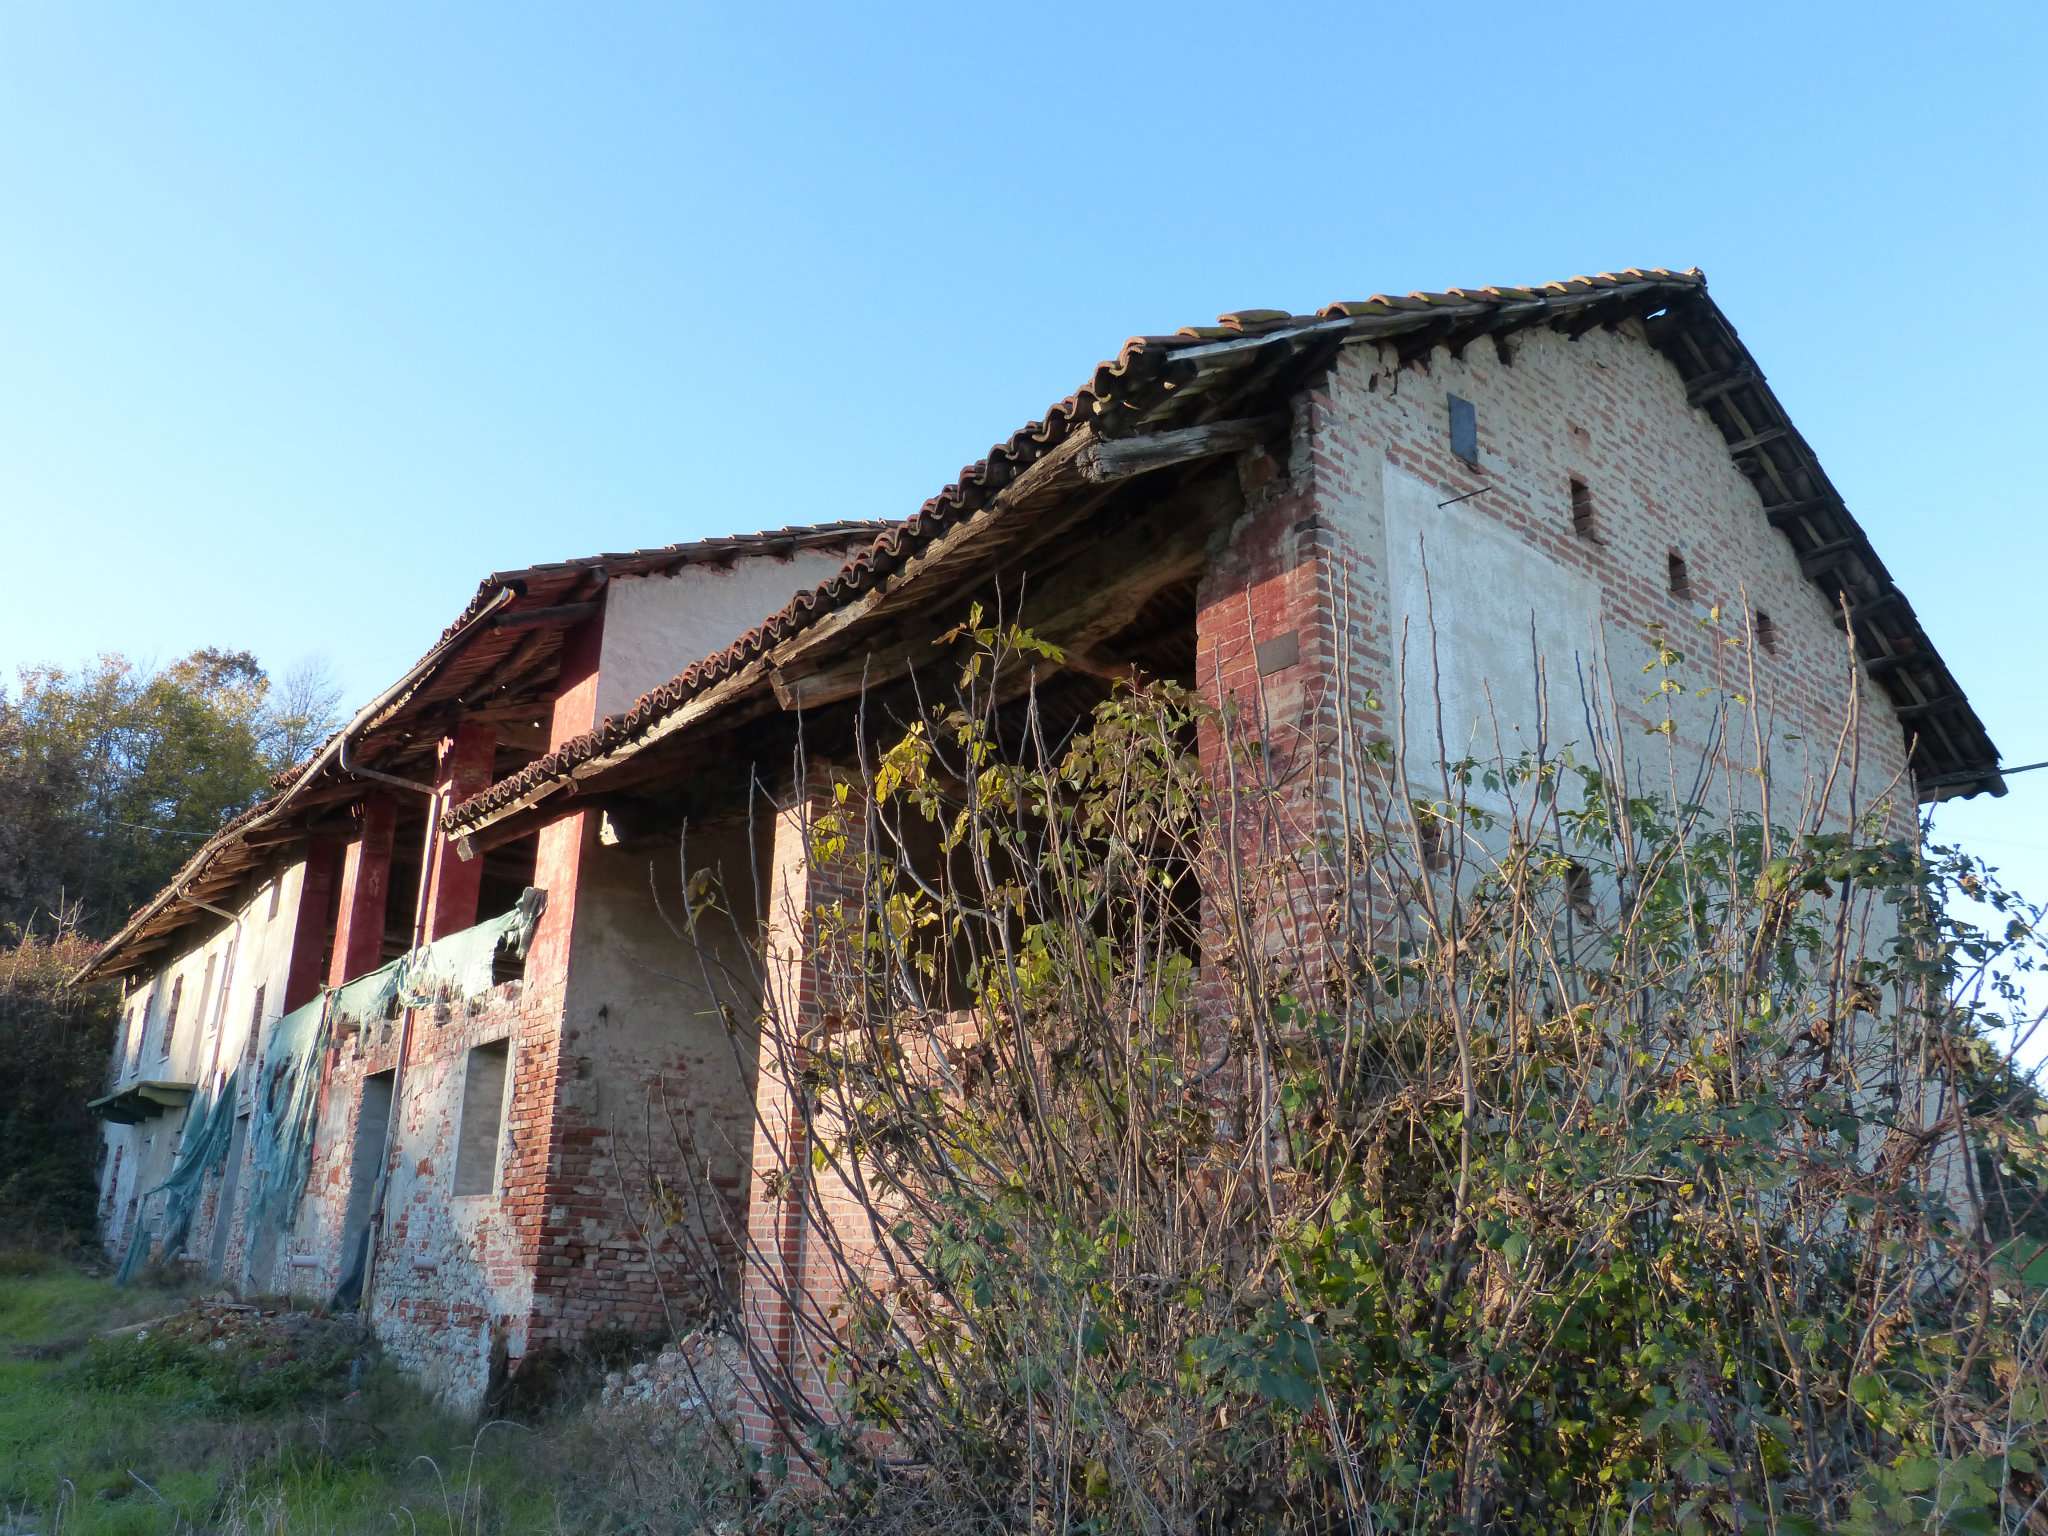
{"points": [[164, 1434]]}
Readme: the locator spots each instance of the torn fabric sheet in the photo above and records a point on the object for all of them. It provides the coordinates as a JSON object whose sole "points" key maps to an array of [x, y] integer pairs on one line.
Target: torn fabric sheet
{"points": [[203, 1149]]}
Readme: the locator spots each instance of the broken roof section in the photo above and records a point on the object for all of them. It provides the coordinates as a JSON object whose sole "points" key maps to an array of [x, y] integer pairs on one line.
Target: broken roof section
{"points": [[1252, 361], [498, 660]]}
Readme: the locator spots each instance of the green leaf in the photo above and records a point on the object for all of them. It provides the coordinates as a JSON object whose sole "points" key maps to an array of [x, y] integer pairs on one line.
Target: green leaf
{"points": [[1918, 1474]]}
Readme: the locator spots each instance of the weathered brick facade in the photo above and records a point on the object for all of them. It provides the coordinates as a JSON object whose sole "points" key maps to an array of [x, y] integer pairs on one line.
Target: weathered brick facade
{"points": [[1411, 531]]}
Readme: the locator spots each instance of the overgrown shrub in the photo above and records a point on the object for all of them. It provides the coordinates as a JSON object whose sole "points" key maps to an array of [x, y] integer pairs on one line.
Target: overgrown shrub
{"points": [[55, 1041], [1525, 1151]]}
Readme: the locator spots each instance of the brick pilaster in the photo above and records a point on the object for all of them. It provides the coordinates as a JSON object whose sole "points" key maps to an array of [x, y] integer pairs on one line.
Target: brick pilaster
{"points": [[1264, 650], [783, 1274]]}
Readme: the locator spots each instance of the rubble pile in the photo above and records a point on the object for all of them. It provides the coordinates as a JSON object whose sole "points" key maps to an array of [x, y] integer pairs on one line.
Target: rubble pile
{"points": [[696, 1375], [264, 1335]]}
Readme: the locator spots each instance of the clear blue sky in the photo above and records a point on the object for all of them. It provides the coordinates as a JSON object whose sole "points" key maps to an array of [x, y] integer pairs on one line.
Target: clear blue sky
{"points": [[311, 317]]}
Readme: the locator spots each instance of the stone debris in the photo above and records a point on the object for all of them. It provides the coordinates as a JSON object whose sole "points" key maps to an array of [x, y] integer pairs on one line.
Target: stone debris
{"points": [[268, 1334], [698, 1375]]}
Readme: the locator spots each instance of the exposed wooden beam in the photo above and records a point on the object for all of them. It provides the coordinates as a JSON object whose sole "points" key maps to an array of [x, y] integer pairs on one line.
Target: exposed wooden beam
{"points": [[511, 669], [1786, 513], [557, 616], [1926, 707], [1821, 556], [1757, 439], [1119, 458], [1075, 604], [1712, 386], [1883, 602]]}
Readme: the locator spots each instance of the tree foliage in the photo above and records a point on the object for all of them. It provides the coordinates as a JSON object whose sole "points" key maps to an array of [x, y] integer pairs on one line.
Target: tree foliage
{"points": [[54, 1045], [111, 775]]}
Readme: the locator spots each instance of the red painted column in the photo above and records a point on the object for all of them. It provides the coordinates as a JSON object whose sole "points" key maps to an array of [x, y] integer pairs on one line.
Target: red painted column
{"points": [[365, 892], [558, 855], [309, 927], [452, 887]]}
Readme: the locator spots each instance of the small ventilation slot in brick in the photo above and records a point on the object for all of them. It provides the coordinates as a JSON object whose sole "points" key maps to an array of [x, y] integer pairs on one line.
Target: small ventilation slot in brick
{"points": [[1766, 633], [1676, 577], [1464, 429], [1582, 508]]}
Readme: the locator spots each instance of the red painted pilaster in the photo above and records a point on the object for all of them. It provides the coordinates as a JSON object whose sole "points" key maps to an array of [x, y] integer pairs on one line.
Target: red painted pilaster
{"points": [[452, 889], [558, 857], [365, 892], [309, 928]]}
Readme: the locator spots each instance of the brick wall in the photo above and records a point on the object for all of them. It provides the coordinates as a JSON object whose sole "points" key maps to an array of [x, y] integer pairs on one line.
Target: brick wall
{"points": [[793, 1286], [1608, 411], [1309, 641]]}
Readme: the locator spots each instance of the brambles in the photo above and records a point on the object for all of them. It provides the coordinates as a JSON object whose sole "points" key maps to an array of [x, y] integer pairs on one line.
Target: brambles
{"points": [[1182, 1154]]}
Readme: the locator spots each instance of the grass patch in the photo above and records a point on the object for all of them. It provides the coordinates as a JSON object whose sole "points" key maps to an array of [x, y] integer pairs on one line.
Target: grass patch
{"points": [[168, 1430]]}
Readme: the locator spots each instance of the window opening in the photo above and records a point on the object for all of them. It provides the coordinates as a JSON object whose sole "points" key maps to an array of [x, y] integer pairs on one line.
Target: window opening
{"points": [[171, 1019], [483, 1110], [1676, 577], [1582, 508]]}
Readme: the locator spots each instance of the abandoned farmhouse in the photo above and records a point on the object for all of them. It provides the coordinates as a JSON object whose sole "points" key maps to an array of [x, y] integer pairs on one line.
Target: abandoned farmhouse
{"points": [[417, 1032]]}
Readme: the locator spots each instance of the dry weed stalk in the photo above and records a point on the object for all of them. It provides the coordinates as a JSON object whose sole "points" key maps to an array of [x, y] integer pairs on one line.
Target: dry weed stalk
{"points": [[1297, 1146]]}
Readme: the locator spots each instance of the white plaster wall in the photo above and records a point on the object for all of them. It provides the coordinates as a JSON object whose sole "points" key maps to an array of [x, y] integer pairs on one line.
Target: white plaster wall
{"points": [[1477, 619], [213, 1031], [1611, 410], [655, 626]]}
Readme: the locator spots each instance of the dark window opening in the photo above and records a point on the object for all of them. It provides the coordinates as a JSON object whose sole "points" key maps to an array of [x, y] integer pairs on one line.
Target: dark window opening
{"points": [[1429, 835], [171, 1019], [366, 1165], [255, 1029], [1677, 577], [276, 893], [508, 872], [1578, 890], [483, 1112], [1766, 632], [1464, 429], [1582, 508]]}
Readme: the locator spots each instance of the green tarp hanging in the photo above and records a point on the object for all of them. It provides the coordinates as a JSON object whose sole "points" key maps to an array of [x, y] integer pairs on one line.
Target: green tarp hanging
{"points": [[208, 1129], [287, 1086], [281, 1128]]}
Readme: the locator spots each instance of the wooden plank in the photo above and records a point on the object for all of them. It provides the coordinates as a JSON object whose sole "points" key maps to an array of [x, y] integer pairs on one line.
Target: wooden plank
{"points": [[556, 616], [1758, 439], [1823, 556], [1926, 707], [1712, 386], [1111, 459], [1785, 513]]}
